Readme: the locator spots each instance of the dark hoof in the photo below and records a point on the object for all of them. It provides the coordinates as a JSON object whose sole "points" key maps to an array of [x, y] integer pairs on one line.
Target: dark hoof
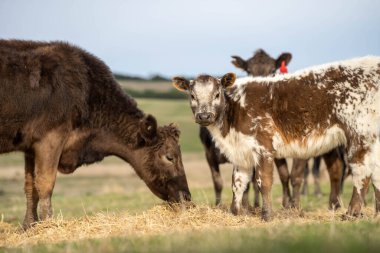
{"points": [[350, 217], [28, 224], [266, 215], [236, 210], [286, 203], [335, 205]]}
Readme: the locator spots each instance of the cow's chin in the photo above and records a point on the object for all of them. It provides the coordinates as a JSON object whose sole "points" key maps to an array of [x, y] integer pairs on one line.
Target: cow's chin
{"points": [[205, 123]]}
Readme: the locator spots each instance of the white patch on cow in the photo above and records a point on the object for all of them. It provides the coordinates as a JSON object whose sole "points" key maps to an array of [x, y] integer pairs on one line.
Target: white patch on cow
{"points": [[256, 123], [369, 167], [242, 150], [237, 93], [203, 92], [361, 108], [312, 145], [258, 180], [241, 179]]}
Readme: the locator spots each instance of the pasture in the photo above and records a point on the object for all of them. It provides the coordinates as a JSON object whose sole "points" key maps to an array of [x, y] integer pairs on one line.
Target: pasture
{"points": [[106, 207]]}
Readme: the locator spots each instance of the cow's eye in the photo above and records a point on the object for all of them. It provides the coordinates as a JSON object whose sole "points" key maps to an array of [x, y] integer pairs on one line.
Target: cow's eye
{"points": [[192, 97], [217, 95], [169, 157]]}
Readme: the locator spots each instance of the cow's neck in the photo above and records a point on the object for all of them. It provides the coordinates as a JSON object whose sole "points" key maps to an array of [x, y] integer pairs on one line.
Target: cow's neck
{"points": [[115, 112], [226, 119]]}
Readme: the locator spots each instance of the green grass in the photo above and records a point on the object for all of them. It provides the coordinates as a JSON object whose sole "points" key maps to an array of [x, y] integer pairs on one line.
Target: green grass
{"points": [[179, 112]]}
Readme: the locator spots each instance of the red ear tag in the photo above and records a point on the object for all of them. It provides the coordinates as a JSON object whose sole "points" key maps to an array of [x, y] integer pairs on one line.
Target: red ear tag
{"points": [[283, 68]]}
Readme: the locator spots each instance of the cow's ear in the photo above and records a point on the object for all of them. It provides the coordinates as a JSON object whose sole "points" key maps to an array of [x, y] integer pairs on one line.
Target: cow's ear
{"points": [[228, 80], [180, 83], [148, 128], [239, 63], [287, 57]]}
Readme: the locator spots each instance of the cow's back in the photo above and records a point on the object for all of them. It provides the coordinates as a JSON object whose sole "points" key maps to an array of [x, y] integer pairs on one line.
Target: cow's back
{"points": [[42, 85]]}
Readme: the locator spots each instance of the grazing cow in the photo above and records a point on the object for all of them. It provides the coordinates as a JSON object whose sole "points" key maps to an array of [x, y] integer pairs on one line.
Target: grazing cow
{"points": [[62, 107], [261, 64], [255, 120]]}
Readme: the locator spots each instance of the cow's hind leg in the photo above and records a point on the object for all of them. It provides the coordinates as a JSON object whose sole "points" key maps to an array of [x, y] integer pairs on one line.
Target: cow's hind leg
{"points": [[316, 175], [305, 185], [296, 180], [256, 191], [47, 154], [335, 168], [264, 177], [283, 172], [30, 192], [240, 179], [376, 187]]}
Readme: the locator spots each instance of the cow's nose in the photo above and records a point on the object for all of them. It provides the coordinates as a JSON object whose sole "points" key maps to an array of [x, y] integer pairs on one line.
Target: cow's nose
{"points": [[204, 116]]}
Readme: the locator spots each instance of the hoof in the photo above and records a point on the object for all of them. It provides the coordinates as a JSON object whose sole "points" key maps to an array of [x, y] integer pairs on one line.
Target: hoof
{"points": [[350, 217], [286, 203], [236, 210], [334, 205], [266, 215]]}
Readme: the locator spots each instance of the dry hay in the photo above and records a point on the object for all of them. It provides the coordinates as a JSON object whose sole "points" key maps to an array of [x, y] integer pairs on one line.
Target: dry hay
{"points": [[161, 219]]}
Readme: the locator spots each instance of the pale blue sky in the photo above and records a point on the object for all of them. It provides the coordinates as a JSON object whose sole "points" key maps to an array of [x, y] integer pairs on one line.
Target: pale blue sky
{"points": [[145, 37]]}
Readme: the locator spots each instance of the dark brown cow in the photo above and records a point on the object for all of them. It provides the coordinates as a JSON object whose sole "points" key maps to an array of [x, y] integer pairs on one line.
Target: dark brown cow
{"points": [[261, 64], [62, 107], [255, 120]]}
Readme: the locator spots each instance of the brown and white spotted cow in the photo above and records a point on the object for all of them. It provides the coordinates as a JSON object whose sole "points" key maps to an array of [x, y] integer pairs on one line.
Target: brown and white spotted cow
{"points": [[261, 64], [254, 120]]}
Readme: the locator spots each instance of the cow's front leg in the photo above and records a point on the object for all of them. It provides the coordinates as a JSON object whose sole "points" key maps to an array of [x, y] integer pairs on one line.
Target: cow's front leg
{"points": [[47, 153], [240, 179], [264, 177], [256, 191], [215, 173], [356, 203], [283, 171], [30, 192], [245, 200]]}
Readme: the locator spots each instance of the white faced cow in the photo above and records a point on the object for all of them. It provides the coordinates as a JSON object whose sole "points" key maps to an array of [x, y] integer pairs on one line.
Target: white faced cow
{"points": [[254, 120]]}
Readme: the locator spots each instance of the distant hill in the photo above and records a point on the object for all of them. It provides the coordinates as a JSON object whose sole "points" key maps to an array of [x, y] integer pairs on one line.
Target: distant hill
{"points": [[153, 78]]}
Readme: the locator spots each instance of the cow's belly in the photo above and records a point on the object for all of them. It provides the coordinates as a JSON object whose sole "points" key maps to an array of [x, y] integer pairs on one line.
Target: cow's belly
{"points": [[310, 146]]}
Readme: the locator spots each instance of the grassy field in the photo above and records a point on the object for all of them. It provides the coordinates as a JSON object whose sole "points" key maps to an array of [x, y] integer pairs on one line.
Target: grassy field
{"points": [[106, 207]]}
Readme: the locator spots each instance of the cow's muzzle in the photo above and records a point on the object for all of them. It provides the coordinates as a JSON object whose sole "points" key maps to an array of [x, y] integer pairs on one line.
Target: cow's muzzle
{"points": [[204, 118]]}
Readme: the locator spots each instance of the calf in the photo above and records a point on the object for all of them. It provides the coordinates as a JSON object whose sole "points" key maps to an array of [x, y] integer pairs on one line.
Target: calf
{"points": [[256, 120], [261, 64], [62, 107]]}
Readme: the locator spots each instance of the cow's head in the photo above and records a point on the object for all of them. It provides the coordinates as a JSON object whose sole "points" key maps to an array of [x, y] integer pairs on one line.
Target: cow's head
{"points": [[153, 152], [207, 96], [261, 64], [158, 160]]}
